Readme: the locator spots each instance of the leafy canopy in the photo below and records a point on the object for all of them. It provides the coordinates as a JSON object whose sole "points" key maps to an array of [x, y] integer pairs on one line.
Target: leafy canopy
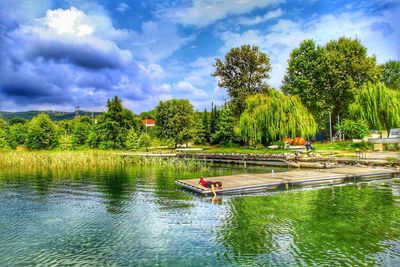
{"points": [[174, 119], [243, 72], [327, 78], [353, 129], [42, 132], [391, 74], [377, 105], [271, 117]]}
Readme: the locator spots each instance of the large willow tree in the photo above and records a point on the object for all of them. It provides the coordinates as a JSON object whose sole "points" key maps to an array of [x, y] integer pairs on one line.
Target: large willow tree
{"points": [[377, 105], [271, 117]]}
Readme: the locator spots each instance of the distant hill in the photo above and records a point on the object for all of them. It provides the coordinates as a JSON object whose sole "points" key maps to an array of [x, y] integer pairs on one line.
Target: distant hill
{"points": [[54, 115]]}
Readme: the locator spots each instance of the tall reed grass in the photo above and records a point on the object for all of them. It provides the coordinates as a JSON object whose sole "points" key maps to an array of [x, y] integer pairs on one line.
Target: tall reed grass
{"points": [[90, 159]]}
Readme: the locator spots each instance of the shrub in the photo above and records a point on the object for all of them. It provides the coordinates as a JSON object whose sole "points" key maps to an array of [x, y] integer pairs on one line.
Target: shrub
{"points": [[354, 129]]}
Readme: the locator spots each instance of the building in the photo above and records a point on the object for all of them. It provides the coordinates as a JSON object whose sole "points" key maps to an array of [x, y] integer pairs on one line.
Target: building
{"points": [[149, 123]]}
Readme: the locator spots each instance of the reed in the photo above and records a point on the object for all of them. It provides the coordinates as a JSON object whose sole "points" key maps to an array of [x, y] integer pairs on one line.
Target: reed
{"points": [[90, 159]]}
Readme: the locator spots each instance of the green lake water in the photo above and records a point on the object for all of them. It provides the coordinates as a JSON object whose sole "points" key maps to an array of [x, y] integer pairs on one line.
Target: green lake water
{"points": [[137, 216]]}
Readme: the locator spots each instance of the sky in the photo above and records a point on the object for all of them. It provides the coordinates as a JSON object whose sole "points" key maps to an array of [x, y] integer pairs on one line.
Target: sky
{"points": [[56, 55]]}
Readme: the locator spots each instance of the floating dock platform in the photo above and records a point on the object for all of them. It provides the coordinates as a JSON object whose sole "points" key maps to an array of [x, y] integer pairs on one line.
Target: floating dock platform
{"points": [[247, 183]]}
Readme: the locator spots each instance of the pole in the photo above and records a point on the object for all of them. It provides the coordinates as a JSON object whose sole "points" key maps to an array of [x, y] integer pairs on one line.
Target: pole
{"points": [[330, 127]]}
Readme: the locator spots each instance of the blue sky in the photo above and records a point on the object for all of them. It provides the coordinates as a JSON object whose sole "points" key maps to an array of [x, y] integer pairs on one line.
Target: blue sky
{"points": [[60, 54]]}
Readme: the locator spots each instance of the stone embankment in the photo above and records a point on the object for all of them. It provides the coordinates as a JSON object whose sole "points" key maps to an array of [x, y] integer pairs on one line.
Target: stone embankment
{"points": [[298, 159]]}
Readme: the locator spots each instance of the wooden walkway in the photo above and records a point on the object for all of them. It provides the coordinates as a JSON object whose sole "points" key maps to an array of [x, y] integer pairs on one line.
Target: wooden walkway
{"points": [[246, 183]]}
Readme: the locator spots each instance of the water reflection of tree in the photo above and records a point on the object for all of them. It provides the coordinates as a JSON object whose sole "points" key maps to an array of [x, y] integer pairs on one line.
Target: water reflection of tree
{"points": [[169, 195], [118, 185], [341, 226]]}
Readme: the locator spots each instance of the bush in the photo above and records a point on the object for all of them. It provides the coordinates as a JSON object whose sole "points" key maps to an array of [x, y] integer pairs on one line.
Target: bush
{"points": [[354, 129], [362, 145], [144, 141]]}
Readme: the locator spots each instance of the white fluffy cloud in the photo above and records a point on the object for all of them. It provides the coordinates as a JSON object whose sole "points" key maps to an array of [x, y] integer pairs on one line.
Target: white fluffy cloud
{"points": [[157, 40], [379, 33], [259, 19], [205, 12]]}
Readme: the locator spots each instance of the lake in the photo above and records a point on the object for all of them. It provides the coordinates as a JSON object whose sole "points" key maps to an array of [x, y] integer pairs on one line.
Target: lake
{"points": [[137, 216]]}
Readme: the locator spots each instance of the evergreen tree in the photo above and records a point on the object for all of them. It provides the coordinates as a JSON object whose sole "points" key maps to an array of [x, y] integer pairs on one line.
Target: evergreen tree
{"points": [[225, 128], [206, 125], [198, 130], [113, 126]]}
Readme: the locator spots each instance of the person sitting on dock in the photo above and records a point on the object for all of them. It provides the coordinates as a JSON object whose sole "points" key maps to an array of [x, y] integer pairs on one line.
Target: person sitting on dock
{"points": [[309, 146], [210, 184]]}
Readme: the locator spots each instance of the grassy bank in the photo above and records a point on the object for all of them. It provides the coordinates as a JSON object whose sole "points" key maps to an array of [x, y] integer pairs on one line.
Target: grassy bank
{"points": [[88, 159], [337, 147]]}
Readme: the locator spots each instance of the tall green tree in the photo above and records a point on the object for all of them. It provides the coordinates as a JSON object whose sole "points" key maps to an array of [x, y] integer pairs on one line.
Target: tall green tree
{"points": [[391, 74], [214, 117], [198, 129], [113, 126], [17, 134], [226, 124], [81, 130], [328, 78], [377, 105], [206, 124], [42, 132], [174, 119], [3, 135], [243, 72], [271, 117]]}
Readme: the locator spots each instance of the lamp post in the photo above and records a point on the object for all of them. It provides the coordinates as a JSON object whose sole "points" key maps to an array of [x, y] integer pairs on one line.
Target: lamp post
{"points": [[330, 127]]}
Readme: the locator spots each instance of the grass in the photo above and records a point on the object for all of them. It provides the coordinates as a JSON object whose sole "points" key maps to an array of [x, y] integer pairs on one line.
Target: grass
{"points": [[89, 159], [392, 160]]}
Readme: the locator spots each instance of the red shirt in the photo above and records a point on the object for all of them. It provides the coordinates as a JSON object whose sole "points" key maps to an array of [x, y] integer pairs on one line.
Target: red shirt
{"points": [[203, 183]]}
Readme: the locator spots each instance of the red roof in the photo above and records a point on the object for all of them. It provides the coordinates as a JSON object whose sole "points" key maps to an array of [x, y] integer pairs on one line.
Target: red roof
{"points": [[148, 121]]}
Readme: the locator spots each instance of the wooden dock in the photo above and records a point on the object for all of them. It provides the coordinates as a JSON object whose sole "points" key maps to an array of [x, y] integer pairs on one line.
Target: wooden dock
{"points": [[246, 183]]}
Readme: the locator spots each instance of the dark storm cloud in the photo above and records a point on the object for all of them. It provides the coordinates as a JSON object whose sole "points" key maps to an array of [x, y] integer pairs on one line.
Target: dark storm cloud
{"points": [[79, 54], [43, 67]]}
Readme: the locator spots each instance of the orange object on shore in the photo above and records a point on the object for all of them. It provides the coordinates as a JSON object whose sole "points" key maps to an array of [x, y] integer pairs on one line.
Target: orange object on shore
{"points": [[298, 141], [287, 140]]}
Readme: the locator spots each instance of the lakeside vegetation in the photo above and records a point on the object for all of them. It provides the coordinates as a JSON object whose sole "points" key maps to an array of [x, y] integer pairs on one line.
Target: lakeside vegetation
{"points": [[91, 159], [338, 79]]}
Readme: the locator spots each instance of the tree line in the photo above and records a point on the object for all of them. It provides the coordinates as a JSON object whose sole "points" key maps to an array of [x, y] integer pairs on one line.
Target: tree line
{"points": [[338, 78]]}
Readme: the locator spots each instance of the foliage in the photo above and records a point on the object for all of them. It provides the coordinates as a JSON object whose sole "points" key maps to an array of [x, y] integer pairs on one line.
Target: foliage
{"points": [[66, 142], [144, 141], [17, 134], [3, 139], [271, 117], [73, 160], [214, 118], [362, 145], [391, 74], [225, 132], [42, 132], [113, 126], [243, 72], [80, 131], [132, 140], [174, 119], [328, 78], [377, 105], [354, 129], [198, 128], [3, 123], [16, 120]]}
